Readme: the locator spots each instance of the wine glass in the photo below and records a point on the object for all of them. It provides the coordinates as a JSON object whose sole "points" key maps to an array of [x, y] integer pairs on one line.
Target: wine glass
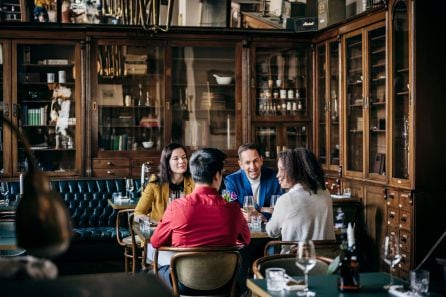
{"points": [[129, 186], [273, 201], [306, 260], [248, 205], [391, 255]]}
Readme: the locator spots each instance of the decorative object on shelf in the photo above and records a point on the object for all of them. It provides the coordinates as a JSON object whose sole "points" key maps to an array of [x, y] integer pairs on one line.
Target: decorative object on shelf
{"points": [[109, 94], [60, 108]]}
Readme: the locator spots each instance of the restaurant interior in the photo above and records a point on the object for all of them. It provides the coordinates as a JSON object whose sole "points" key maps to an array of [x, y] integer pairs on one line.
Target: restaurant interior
{"points": [[92, 91]]}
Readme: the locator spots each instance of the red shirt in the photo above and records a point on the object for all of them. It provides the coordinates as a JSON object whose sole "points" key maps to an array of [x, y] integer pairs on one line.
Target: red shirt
{"points": [[202, 218]]}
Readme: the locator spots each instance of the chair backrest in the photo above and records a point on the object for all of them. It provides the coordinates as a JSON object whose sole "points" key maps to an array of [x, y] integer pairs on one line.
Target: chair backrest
{"points": [[324, 248], [288, 262], [121, 214], [209, 269]]}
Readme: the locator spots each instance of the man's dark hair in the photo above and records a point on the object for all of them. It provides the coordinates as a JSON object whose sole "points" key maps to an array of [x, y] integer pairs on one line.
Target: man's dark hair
{"points": [[205, 163], [246, 147], [164, 168]]}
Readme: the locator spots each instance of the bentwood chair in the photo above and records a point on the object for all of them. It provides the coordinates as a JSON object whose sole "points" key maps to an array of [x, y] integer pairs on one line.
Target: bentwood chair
{"points": [[206, 271], [132, 244], [325, 248], [288, 262]]}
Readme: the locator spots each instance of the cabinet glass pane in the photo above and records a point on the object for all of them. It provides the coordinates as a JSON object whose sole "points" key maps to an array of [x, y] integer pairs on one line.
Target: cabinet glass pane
{"points": [[295, 136], [203, 97], [322, 126], [334, 103], [130, 98], [46, 91], [377, 101], [355, 101], [265, 137], [400, 95], [281, 82], [2, 170]]}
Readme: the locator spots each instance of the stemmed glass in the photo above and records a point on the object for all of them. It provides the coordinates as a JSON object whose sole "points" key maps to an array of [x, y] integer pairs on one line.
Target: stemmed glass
{"points": [[129, 186], [306, 260], [248, 205], [391, 255]]}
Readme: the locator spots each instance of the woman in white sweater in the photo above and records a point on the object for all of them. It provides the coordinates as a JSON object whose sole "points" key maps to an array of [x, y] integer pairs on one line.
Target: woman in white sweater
{"points": [[305, 211]]}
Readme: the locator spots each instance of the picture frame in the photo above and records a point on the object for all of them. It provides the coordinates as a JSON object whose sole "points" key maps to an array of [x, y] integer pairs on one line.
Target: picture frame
{"points": [[110, 94]]}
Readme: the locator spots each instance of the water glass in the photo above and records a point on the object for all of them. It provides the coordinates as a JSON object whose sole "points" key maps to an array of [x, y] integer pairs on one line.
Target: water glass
{"points": [[256, 223], [273, 200], [117, 196], [144, 225], [275, 278], [419, 282]]}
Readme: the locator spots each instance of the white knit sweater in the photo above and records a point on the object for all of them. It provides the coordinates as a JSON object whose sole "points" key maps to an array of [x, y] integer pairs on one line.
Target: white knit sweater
{"points": [[300, 215]]}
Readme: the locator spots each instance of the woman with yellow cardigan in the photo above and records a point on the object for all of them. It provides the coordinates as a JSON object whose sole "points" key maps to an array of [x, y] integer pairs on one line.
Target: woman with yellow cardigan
{"points": [[173, 181]]}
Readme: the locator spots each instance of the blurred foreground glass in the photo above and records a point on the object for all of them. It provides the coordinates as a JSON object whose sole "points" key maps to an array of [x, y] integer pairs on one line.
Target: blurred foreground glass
{"points": [[306, 260], [274, 278], [419, 282], [391, 255]]}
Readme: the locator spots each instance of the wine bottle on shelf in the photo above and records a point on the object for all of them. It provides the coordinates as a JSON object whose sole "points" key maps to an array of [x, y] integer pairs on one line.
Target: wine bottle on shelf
{"points": [[140, 95], [348, 278]]}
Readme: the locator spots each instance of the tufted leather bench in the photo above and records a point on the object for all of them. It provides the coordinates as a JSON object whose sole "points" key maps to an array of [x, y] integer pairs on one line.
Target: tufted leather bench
{"points": [[93, 219]]}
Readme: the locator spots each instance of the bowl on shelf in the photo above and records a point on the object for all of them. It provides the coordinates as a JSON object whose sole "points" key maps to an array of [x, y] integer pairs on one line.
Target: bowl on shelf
{"points": [[147, 144], [223, 80]]}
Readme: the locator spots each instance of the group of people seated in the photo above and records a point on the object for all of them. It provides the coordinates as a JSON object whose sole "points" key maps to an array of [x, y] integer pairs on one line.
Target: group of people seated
{"points": [[184, 199]]}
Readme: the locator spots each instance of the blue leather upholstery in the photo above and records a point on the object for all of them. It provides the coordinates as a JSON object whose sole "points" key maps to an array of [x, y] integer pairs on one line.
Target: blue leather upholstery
{"points": [[92, 217]]}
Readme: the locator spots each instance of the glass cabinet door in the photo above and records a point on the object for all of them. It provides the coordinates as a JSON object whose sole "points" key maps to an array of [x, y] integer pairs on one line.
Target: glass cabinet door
{"points": [[266, 138], [377, 102], [280, 90], [296, 135], [203, 97], [354, 105], [327, 96], [400, 96], [47, 109], [333, 49], [130, 98], [321, 62]]}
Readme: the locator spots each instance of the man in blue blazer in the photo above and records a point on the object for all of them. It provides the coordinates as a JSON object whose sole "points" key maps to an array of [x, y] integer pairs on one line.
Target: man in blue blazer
{"points": [[252, 179]]}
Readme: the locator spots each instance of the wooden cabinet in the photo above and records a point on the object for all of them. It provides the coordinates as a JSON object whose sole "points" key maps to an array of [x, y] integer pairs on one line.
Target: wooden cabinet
{"points": [[281, 105], [43, 98], [128, 119], [364, 71], [327, 105]]}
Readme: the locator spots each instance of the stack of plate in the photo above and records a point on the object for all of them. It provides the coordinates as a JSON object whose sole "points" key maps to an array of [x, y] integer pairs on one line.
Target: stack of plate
{"points": [[213, 101]]}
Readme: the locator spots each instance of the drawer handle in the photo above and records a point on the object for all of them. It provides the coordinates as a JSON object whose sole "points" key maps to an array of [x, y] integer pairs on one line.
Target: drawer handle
{"points": [[392, 196], [403, 219], [109, 163], [392, 215], [110, 172], [404, 238]]}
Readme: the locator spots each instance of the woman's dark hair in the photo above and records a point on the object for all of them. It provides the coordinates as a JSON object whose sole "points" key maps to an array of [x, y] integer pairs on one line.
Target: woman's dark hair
{"points": [[302, 167], [165, 172]]}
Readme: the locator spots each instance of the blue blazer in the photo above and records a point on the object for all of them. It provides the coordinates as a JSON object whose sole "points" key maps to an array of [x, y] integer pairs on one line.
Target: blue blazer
{"points": [[238, 182]]}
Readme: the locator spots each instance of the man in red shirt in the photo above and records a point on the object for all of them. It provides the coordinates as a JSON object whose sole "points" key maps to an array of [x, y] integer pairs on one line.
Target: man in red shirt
{"points": [[202, 218]]}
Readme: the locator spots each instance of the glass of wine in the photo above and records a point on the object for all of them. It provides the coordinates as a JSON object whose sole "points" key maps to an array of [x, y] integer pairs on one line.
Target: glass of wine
{"points": [[391, 255], [248, 205], [129, 186], [306, 260]]}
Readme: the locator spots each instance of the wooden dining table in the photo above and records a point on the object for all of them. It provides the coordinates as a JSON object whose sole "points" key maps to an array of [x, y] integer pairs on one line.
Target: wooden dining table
{"points": [[131, 204], [8, 239]]}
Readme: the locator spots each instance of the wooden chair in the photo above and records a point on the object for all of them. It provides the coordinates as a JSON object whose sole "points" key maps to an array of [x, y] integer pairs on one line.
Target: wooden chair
{"points": [[131, 244], [288, 262], [324, 248], [212, 270]]}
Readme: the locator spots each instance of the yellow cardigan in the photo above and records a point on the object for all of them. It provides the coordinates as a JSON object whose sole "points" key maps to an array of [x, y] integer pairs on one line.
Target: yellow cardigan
{"points": [[154, 199]]}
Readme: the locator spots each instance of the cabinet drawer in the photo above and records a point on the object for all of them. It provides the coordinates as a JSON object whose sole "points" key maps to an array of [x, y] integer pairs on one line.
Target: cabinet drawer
{"points": [[392, 198], [392, 217], [111, 163], [116, 172], [405, 240], [405, 220], [405, 201]]}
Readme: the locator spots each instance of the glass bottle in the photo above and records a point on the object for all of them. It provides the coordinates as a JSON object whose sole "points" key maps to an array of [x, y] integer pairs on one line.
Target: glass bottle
{"points": [[348, 278]]}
